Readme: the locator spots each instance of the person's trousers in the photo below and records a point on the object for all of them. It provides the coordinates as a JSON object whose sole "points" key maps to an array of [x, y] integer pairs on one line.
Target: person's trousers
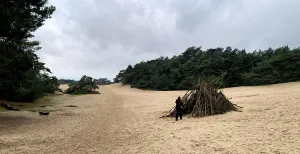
{"points": [[178, 113]]}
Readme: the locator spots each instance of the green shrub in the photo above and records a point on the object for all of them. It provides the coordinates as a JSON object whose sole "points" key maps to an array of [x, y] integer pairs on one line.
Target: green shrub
{"points": [[86, 85]]}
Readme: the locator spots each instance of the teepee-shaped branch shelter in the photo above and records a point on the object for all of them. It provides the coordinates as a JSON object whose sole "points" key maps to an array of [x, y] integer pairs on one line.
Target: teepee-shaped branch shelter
{"points": [[205, 99]]}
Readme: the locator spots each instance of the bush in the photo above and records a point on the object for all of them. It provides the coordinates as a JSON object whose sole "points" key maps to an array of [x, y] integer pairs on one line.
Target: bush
{"points": [[86, 85]]}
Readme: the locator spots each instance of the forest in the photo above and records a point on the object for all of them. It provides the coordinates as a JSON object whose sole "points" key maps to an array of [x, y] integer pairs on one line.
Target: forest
{"points": [[243, 68]]}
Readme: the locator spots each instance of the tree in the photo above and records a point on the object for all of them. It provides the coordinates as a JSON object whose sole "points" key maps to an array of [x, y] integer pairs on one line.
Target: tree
{"points": [[102, 81], [86, 85], [23, 76], [22, 17], [119, 77]]}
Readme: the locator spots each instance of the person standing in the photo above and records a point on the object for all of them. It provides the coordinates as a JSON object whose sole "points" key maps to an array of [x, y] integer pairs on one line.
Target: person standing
{"points": [[178, 108]]}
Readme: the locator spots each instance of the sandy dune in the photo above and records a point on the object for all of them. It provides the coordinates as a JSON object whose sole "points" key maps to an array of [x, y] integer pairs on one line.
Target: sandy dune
{"points": [[124, 120]]}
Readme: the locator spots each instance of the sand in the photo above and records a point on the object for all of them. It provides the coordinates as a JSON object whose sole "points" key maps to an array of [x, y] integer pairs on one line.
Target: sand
{"points": [[124, 120]]}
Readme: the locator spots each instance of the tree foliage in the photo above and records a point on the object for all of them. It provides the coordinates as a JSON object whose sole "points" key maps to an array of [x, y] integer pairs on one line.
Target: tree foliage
{"points": [[22, 76], [102, 81], [22, 17], [243, 68], [86, 85], [66, 81]]}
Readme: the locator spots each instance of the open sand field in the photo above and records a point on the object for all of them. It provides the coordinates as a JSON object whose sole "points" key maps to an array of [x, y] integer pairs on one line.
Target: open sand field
{"points": [[124, 120]]}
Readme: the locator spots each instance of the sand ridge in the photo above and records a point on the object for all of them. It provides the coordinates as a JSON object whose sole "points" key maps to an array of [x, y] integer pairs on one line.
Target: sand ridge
{"points": [[124, 120]]}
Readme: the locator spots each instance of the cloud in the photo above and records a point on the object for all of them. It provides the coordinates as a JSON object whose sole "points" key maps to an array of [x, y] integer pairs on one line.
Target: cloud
{"points": [[99, 37]]}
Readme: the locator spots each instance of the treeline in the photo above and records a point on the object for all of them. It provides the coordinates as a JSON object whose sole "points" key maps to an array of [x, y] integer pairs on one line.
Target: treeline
{"points": [[66, 81], [243, 68], [100, 81], [22, 76]]}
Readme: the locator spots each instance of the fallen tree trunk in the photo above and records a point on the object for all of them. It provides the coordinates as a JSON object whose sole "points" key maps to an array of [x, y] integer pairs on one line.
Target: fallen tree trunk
{"points": [[9, 107]]}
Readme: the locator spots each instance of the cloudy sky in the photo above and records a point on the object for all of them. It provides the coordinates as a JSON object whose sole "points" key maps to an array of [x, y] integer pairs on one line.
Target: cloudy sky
{"points": [[100, 37]]}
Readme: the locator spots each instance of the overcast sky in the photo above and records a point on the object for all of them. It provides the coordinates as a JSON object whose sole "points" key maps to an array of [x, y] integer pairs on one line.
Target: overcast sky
{"points": [[98, 38]]}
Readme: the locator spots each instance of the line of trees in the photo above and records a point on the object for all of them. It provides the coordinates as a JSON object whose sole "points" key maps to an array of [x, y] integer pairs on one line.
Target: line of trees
{"points": [[66, 81], [243, 68], [103, 81], [100, 81], [22, 76]]}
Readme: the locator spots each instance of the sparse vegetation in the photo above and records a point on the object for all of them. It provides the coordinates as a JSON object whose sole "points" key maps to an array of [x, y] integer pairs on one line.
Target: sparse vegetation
{"points": [[86, 85], [2, 109]]}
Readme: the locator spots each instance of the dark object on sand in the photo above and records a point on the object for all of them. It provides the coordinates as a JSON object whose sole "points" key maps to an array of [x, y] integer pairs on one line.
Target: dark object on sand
{"points": [[43, 113], [71, 106], [9, 107], [43, 106]]}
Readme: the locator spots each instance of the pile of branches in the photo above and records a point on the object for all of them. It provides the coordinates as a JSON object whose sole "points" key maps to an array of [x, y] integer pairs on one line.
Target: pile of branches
{"points": [[205, 99]]}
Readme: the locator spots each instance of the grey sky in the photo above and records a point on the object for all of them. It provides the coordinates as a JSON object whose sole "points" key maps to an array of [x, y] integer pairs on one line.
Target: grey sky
{"points": [[100, 37]]}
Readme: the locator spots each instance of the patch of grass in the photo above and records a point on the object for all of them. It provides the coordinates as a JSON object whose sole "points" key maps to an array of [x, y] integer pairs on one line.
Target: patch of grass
{"points": [[46, 102], [2, 109]]}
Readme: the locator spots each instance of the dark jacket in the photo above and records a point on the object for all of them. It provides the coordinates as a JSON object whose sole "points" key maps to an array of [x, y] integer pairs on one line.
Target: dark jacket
{"points": [[178, 103]]}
